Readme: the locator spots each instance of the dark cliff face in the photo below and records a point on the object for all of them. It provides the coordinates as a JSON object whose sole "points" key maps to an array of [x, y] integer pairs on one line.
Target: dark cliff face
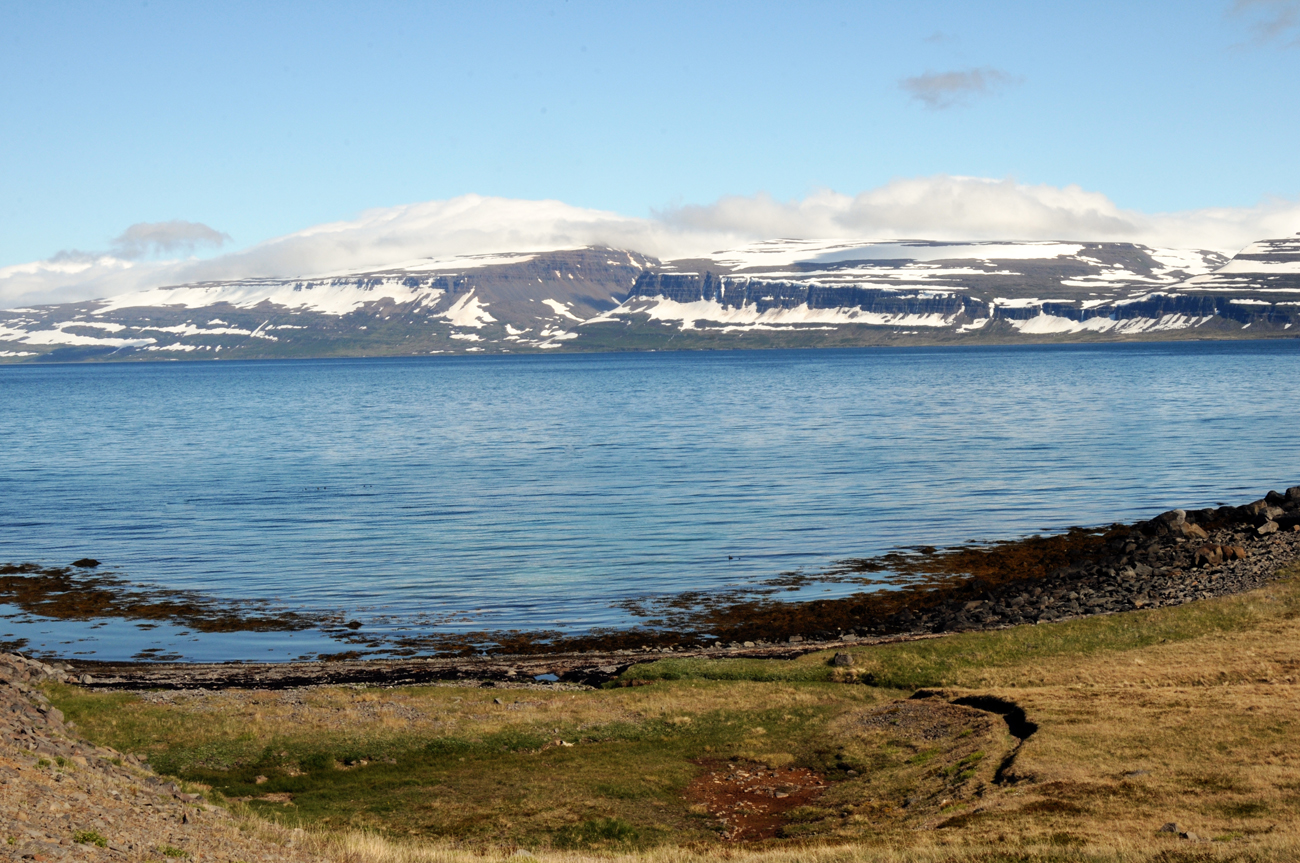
{"points": [[763, 295]]}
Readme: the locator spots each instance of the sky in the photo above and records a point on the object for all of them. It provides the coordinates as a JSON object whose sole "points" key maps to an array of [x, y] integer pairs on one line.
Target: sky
{"points": [[151, 141]]}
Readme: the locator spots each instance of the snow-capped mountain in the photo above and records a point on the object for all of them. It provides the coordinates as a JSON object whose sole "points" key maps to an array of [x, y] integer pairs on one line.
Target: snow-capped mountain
{"points": [[529, 301], [784, 292]]}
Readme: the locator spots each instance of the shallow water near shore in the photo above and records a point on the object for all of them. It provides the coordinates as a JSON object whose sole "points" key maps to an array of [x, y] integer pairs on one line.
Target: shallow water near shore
{"points": [[545, 492]]}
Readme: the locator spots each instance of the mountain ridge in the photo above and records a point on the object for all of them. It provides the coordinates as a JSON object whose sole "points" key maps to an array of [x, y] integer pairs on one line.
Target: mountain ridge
{"points": [[777, 293]]}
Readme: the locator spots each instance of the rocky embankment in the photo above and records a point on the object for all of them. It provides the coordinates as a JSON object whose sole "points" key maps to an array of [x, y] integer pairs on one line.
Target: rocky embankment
{"points": [[1177, 557], [62, 798]]}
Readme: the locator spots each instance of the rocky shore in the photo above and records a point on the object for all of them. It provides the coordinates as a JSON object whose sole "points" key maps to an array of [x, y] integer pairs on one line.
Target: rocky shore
{"points": [[1177, 557]]}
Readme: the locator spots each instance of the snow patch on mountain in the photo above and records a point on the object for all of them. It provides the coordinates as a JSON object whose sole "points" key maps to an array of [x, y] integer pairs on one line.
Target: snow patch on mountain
{"points": [[468, 311]]}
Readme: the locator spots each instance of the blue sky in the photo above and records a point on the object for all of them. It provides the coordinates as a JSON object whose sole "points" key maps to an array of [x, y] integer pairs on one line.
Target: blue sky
{"points": [[263, 119]]}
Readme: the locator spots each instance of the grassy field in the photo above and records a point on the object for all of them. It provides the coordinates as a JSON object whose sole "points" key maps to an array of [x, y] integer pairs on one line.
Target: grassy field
{"points": [[1187, 715]]}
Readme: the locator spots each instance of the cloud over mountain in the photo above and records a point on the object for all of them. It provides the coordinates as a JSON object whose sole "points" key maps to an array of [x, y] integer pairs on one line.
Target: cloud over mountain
{"points": [[938, 207], [166, 238]]}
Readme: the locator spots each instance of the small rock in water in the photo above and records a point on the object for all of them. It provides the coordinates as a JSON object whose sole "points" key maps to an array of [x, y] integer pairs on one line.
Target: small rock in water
{"points": [[86, 563]]}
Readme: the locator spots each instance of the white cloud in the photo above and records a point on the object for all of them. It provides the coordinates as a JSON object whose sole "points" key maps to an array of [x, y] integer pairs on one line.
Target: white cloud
{"points": [[939, 207], [938, 90], [166, 238], [973, 208]]}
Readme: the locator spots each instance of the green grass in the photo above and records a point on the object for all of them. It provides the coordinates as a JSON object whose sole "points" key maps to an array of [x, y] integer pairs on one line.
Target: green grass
{"points": [[89, 837], [966, 659], [619, 785]]}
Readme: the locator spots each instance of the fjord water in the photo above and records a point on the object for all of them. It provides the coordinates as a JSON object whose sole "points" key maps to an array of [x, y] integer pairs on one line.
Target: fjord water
{"points": [[436, 494]]}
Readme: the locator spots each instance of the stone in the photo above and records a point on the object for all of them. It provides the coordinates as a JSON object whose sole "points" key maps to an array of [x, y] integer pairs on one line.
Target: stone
{"points": [[1293, 494], [1173, 517], [795, 639], [1195, 531], [1274, 498], [1266, 528], [1169, 827], [86, 563], [1189, 835], [842, 660], [608, 669], [498, 701]]}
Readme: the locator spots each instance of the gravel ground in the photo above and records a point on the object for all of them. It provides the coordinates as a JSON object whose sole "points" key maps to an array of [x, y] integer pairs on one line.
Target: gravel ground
{"points": [[64, 799]]}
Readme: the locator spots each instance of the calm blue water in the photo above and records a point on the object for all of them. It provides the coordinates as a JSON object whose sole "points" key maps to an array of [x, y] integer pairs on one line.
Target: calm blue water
{"points": [[535, 492]]}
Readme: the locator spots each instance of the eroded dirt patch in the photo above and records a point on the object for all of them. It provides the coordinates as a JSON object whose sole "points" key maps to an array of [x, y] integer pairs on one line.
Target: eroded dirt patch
{"points": [[926, 720], [752, 800]]}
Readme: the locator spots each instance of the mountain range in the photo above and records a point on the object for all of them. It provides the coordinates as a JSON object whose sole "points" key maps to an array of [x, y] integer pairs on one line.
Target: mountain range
{"points": [[780, 293]]}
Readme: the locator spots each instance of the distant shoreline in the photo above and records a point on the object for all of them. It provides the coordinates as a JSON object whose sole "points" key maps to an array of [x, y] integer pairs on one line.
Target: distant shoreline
{"points": [[746, 344]]}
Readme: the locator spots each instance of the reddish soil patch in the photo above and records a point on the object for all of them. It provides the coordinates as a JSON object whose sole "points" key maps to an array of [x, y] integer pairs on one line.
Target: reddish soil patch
{"points": [[751, 800]]}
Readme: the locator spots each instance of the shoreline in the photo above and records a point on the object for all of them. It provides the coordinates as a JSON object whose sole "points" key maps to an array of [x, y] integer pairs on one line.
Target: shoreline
{"points": [[1028, 341], [1175, 558]]}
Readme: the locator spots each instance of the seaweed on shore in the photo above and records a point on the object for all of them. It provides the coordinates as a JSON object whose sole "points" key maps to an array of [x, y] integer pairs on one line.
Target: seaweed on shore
{"points": [[64, 594], [901, 582], [899, 588]]}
